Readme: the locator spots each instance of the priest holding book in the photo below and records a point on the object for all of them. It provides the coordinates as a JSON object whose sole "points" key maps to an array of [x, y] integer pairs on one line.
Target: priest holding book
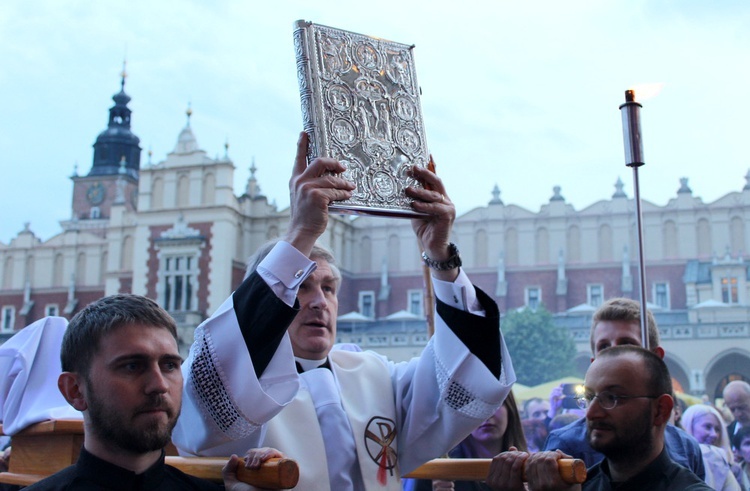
{"points": [[264, 370]]}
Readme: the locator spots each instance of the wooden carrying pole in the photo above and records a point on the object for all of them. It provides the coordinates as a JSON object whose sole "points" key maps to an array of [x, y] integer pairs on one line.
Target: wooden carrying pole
{"points": [[284, 474], [572, 471], [273, 474], [47, 447]]}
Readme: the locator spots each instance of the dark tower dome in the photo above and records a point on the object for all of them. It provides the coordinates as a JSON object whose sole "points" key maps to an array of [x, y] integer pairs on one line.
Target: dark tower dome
{"points": [[117, 142]]}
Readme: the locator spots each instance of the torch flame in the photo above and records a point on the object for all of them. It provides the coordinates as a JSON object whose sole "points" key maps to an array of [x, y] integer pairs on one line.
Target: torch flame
{"points": [[647, 91]]}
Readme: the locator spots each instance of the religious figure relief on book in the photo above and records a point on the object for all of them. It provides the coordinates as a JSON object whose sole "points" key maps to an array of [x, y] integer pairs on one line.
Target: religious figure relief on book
{"points": [[367, 56], [383, 184], [344, 132], [340, 97], [355, 172], [398, 71], [404, 107], [408, 140], [375, 138], [335, 57]]}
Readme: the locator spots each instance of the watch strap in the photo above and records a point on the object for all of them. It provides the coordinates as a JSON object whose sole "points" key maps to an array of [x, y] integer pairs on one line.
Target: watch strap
{"points": [[454, 261]]}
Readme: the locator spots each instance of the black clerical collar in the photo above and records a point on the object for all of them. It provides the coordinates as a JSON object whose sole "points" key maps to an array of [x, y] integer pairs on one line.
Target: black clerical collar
{"points": [[311, 364]]}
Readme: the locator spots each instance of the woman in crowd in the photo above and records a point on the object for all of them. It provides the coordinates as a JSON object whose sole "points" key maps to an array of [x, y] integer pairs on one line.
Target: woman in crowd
{"points": [[500, 432], [707, 426], [741, 442]]}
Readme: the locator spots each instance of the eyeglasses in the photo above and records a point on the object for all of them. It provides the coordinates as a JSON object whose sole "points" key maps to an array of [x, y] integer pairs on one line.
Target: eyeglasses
{"points": [[607, 400]]}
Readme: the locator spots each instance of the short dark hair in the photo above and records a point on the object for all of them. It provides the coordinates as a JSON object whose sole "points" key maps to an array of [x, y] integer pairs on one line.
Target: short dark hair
{"points": [[628, 310], [528, 402], [87, 328], [660, 382], [741, 435]]}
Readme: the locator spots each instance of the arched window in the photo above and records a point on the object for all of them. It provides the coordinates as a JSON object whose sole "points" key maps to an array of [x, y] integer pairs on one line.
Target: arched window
{"points": [[366, 254]]}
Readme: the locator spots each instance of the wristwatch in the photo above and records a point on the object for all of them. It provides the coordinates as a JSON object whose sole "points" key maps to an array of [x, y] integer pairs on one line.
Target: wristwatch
{"points": [[454, 261]]}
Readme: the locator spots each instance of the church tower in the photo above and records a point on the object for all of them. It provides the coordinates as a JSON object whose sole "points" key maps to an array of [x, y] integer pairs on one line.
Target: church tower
{"points": [[113, 178]]}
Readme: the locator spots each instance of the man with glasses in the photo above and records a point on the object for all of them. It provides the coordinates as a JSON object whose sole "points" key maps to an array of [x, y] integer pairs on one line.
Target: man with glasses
{"points": [[628, 403], [617, 323]]}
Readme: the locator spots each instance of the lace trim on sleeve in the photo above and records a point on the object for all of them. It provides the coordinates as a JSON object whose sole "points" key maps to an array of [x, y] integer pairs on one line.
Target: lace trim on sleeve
{"points": [[215, 403], [458, 397]]}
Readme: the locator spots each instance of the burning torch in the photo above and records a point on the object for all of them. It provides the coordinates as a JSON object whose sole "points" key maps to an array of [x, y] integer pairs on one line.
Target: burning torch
{"points": [[631, 134]]}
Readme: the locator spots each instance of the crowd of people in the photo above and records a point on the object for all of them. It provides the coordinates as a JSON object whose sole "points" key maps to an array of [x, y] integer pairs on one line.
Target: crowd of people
{"points": [[264, 379]]}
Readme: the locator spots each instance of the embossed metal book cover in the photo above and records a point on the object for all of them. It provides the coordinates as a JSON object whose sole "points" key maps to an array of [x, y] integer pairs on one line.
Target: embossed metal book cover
{"points": [[360, 105]]}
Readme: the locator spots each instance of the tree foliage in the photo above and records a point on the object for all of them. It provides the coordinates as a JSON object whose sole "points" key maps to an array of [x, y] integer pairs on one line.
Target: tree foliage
{"points": [[540, 351]]}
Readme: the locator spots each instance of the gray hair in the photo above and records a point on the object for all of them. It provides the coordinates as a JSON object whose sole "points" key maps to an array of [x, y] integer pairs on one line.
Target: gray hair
{"points": [[318, 253]]}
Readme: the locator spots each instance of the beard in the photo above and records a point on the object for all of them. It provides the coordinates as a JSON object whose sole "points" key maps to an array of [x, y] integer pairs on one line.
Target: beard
{"points": [[112, 425], [626, 443]]}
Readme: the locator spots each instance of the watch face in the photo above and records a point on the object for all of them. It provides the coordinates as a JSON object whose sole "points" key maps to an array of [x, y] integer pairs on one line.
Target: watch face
{"points": [[96, 193]]}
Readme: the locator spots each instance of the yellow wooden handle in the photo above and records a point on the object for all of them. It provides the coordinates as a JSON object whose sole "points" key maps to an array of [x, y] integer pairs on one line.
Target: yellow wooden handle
{"points": [[273, 474], [572, 471]]}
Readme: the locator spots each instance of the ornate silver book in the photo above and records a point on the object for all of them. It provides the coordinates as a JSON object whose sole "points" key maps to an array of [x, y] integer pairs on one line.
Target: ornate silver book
{"points": [[360, 105]]}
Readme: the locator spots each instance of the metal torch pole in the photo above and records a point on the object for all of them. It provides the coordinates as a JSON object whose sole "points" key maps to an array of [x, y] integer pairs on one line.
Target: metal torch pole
{"points": [[631, 132]]}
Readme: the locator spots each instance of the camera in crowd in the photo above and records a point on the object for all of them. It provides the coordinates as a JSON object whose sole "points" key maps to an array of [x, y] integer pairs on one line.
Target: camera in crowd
{"points": [[571, 392]]}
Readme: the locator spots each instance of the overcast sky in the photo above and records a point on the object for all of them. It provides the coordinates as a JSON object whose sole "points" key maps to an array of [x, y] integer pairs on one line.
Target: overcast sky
{"points": [[522, 94]]}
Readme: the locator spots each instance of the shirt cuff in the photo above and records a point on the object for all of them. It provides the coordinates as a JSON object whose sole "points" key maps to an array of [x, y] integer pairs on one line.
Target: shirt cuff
{"points": [[284, 269], [459, 294]]}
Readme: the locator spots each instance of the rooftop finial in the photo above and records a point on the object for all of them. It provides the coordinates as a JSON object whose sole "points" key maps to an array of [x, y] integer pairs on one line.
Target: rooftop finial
{"points": [[189, 113], [619, 193], [496, 196], [124, 73], [556, 196], [684, 188], [226, 148]]}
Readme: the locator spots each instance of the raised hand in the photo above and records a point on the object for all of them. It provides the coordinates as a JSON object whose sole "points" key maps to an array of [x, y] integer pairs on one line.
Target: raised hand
{"points": [[433, 230], [311, 189]]}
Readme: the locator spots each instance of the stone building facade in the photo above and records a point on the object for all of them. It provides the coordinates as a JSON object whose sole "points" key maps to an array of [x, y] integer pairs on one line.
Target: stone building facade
{"points": [[175, 230]]}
